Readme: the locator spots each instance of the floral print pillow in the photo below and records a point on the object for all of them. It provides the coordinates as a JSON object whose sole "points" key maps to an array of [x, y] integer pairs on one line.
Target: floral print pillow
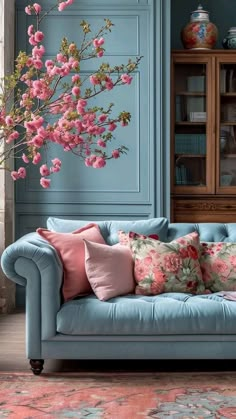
{"points": [[124, 238], [167, 267], [218, 265]]}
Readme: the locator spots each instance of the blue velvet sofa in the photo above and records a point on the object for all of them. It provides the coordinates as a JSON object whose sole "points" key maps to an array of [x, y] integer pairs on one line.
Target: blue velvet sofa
{"points": [[166, 326]]}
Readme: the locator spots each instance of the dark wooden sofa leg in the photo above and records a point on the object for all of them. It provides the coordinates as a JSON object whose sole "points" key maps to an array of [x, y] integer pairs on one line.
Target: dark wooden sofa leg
{"points": [[37, 366]]}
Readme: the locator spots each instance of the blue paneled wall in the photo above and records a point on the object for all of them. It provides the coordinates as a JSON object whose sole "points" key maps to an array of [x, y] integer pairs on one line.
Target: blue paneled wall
{"points": [[132, 186]]}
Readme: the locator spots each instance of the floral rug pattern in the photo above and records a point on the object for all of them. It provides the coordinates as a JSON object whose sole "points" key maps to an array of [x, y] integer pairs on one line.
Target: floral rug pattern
{"points": [[119, 395]]}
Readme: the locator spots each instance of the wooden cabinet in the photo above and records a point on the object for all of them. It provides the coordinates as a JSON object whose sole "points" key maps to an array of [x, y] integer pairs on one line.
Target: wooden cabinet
{"points": [[203, 136]]}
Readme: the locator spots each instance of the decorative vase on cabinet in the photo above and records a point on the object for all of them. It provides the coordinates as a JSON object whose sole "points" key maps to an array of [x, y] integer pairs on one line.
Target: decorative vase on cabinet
{"points": [[203, 136], [199, 33], [229, 42]]}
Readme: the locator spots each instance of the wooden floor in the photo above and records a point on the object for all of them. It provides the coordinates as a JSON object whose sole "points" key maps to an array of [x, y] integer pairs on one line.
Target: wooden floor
{"points": [[12, 356]]}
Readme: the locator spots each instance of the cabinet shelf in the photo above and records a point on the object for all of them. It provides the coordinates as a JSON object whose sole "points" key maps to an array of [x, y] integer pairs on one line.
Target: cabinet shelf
{"points": [[229, 156], [190, 156], [229, 94], [189, 123], [228, 123], [185, 93]]}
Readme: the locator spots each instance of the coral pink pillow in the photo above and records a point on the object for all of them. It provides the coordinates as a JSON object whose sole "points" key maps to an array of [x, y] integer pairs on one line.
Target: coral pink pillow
{"points": [[109, 269], [70, 247]]}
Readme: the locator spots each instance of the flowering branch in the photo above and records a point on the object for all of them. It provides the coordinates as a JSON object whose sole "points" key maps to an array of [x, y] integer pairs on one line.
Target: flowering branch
{"points": [[41, 91]]}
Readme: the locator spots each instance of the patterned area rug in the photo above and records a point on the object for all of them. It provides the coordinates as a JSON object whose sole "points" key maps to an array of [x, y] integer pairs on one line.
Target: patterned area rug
{"points": [[118, 395]]}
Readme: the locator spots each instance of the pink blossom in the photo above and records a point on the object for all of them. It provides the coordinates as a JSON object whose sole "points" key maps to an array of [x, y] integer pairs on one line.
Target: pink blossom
{"points": [[112, 126], [82, 102], [45, 183], [109, 84], [61, 58], [30, 30], [37, 8], [94, 79], [32, 40], [29, 62], [38, 36], [25, 158], [49, 63], [9, 120], [13, 136], [101, 143], [21, 172], [44, 171], [56, 162], [75, 78], [100, 53], [28, 10], [102, 117], [115, 154], [14, 174], [38, 52], [37, 158], [37, 141], [98, 42], [126, 79], [75, 64], [101, 130], [76, 91], [55, 169], [38, 64], [99, 163]]}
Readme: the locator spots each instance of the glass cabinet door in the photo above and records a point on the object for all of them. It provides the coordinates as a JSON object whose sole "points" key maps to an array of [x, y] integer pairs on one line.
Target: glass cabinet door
{"points": [[226, 130], [191, 125]]}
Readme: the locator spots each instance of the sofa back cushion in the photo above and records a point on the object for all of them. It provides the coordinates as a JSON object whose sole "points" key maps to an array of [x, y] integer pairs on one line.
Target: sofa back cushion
{"points": [[109, 229], [208, 232], [70, 247]]}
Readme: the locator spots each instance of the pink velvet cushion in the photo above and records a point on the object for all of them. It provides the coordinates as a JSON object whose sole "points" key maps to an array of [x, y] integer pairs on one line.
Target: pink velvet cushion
{"points": [[167, 267], [218, 265], [70, 247], [109, 269]]}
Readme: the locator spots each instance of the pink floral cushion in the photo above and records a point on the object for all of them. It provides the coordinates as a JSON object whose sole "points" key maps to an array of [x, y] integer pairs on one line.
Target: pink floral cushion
{"points": [[124, 238], [167, 267], [70, 247], [218, 265], [109, 269]]}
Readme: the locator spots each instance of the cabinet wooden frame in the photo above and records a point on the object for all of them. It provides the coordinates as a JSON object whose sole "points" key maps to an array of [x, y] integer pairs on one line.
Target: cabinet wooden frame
{"points": [[222, 58], [212, 201], [179, 57]]}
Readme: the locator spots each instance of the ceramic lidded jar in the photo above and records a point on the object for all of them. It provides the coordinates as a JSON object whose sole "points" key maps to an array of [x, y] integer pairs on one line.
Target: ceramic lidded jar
{"points": [[229, 42], [199, 33]]}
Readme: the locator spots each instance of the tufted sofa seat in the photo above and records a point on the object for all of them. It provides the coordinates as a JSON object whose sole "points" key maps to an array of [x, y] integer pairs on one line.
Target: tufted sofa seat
{"points": [[165, 314], [166, 326]]}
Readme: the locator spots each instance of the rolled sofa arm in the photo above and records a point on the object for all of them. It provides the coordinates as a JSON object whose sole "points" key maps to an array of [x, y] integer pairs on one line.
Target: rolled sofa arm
{"points": [[32, 262]]}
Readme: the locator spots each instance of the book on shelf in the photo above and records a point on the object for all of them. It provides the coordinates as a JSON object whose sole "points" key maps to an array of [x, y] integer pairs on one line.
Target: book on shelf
{"points": [[195, 104], [196, 84], [190, 143], [223, 73], [181, 177], [231, 81], [178, 109], [197, 116]]}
